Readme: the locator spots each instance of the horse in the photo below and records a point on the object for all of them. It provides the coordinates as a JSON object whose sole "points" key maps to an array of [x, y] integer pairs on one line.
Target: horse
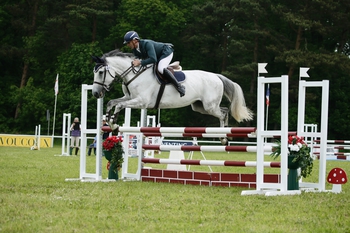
{"points": [[204, 90]]}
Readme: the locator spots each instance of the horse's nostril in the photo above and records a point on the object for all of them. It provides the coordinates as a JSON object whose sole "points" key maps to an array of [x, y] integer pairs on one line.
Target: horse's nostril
{"points": [[95, 94]]}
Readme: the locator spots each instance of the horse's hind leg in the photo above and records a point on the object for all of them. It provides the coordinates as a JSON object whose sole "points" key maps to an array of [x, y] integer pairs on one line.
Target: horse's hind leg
{"points": [[226, 112], [224, 121], [220, 112]]}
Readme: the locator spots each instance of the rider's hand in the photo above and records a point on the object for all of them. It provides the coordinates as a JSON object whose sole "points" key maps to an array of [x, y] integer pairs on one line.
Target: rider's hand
{"points": [[136, 62]]}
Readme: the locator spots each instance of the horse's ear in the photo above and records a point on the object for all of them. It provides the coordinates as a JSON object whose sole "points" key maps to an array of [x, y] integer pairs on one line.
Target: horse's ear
{"points": [[96, 59]]}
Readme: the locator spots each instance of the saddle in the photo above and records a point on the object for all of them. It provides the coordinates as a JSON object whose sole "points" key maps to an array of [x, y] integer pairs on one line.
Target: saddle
{"points": [[175, 69]]}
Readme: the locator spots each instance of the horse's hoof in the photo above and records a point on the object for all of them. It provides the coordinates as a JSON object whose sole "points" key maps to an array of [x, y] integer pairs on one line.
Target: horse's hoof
{"points": [[111, 123], [115, 128], [224, 141]]}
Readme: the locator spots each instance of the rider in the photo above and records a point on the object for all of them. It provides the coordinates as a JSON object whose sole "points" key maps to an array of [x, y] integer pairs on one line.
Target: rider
{"points": [[153, 52]]}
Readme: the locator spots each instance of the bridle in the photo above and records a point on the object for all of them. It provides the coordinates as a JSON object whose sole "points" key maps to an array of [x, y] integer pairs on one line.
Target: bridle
{"points": [[117, 77]]}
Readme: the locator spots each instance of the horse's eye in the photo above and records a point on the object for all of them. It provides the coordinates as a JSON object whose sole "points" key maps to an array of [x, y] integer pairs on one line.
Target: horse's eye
{"points": [[100, 72]]}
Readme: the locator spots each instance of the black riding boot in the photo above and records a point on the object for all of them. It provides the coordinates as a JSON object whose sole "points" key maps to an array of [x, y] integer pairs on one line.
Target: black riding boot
{"points": [[180, 88], [76, 150]]}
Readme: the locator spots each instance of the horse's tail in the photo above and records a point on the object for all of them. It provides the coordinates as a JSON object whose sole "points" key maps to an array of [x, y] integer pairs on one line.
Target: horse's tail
{"points": [[234, 93]]}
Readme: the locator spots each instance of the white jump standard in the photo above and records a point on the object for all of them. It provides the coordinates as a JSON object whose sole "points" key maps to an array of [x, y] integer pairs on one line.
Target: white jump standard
{"points": [[84, 176]]}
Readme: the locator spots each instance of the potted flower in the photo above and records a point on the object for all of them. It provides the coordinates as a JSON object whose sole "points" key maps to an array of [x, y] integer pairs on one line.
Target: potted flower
{"points": [[113, 152], [298, 157]]}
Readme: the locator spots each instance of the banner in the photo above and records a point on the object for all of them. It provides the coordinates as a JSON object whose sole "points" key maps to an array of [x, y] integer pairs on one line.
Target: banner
{"points": [[23, 140]]}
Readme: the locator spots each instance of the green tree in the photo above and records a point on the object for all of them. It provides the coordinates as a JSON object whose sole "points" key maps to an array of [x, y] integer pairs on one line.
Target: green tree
{"points": [[313, 34], [36, 32], [75, 68], [151, 19]]}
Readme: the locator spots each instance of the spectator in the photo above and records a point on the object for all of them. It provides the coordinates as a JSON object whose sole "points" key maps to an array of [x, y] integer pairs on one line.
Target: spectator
{"points": [[75, 135]]}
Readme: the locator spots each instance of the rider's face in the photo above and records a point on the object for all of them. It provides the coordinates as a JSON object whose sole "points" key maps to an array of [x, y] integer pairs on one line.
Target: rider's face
{"points": [[132, 44]]}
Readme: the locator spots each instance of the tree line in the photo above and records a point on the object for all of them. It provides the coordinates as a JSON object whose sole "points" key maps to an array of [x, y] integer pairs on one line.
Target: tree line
{"points": [[42, 38]]}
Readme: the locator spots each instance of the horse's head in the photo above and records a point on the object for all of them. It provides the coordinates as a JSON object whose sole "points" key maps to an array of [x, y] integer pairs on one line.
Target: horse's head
{"points": [[103, 78], [112, 66]]}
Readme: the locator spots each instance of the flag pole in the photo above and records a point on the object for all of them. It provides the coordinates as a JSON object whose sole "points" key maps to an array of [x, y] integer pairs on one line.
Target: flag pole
{"points": [[267, 104], [262, 69], [54, 112]]}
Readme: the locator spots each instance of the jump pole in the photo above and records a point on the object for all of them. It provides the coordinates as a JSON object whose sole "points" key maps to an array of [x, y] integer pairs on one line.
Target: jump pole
{"points": [[226, 163], [196, 130], [206, 148]]}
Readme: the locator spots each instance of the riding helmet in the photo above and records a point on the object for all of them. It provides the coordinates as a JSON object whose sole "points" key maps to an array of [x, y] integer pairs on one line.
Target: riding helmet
{"points": [[129, 36]]}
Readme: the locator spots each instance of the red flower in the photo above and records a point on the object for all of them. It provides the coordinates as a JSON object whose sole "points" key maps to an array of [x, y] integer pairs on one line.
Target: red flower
{"points": [[112, 142], [293, 140]]}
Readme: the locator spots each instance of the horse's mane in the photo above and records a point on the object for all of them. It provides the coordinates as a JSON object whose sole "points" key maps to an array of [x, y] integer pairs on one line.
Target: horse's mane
{"points": [[102, 61], [115, 53]]}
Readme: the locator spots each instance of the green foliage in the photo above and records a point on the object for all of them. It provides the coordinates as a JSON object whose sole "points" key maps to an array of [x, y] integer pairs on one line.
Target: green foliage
{"points": [[113, 151], [75, 68], [42, 38], [153, 20], [300, 152]]}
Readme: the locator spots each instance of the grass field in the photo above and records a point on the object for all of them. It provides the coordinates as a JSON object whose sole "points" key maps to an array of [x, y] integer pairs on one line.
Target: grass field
{"points": [[34, 197]]}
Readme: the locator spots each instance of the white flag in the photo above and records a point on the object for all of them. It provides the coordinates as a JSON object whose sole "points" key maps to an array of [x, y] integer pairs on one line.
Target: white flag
{"points": [[56, 85], [261, 68], [303, 72]]}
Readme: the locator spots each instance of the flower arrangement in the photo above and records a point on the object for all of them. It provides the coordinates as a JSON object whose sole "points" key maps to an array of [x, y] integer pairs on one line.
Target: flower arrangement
{"points": [[114, 145], [301, 153]]}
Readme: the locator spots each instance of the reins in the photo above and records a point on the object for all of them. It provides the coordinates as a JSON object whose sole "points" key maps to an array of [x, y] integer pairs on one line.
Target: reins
{"points": [[137, 72]]}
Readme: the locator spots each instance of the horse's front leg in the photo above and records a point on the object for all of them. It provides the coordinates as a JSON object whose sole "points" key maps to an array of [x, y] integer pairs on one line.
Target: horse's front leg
{"points": [[136, 103], [112, 119]]}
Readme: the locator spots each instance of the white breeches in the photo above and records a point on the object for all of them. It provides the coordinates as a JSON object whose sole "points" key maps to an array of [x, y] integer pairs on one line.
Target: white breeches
{"points": [[74, 141], [164, 63]]}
